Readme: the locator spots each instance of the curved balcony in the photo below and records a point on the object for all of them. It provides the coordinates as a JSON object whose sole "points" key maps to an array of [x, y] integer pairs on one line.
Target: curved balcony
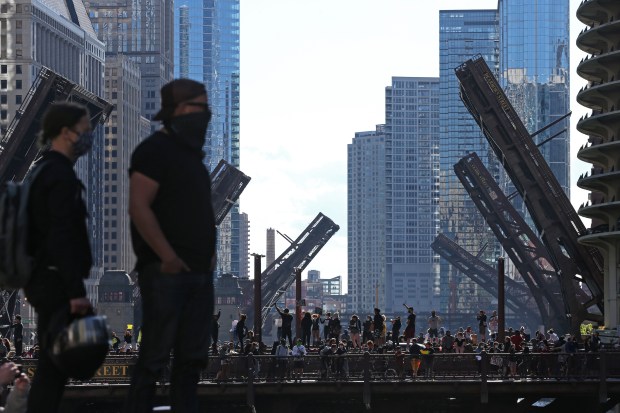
{"points": [[600, 182], [601, 97], [600, 154], [597, 39], [603, 211], [601, 239], [600, 68], [593, 12], [600, 124]]}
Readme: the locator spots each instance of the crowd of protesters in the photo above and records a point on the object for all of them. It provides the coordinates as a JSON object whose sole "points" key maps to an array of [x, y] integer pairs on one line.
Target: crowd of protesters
{"points": [[409, 352]]}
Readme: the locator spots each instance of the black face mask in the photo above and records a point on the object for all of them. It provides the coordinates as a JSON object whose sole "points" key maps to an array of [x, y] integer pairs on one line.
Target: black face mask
{"points": [[191, 128]]}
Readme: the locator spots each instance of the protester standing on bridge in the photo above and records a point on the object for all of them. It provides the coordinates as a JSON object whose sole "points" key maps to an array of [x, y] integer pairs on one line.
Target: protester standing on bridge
{"points": [[482, 326], [316, 330], [396, 325], [433, 325], [355, 327], [215, 326], [326, 321], [410, 328], [493, 325], [306, 328], [173, 234], [378, 324], [287, 322], [18, 335], [367, 329], [59, 242]]}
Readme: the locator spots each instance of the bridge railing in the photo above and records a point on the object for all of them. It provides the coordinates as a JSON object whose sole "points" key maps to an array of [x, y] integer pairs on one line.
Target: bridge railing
{"points": [[382, 367]]}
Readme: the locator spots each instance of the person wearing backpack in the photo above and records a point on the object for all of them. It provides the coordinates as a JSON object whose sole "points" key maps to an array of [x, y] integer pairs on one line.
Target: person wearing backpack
{"points": [[59, 242]]}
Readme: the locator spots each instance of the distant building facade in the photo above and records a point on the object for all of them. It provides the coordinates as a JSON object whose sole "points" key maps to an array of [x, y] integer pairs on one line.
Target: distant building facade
{"points": [[244, 245], [122, 132], [271, 247], [366, 220]]}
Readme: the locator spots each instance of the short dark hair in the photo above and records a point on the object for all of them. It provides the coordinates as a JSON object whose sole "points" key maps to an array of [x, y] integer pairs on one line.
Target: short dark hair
{"points": [[60, 115]]}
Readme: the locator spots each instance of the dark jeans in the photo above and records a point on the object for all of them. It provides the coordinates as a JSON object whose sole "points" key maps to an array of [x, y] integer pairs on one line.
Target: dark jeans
{"points": [[287, 332], [175, 308], [19, 347], [305, 337], [49, 382]]}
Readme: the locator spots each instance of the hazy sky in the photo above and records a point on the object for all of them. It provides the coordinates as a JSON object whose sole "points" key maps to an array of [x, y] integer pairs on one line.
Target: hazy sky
{"points": [[312, 74]]}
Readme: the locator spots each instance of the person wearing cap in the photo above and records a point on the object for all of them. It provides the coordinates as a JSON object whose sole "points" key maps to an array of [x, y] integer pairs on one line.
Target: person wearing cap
{"points": [[173, 236]]}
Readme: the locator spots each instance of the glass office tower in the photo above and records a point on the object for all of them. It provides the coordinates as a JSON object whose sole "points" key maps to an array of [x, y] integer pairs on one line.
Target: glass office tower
{"points": [[412, 192], [463, 34], [535, 73], [207, 50]]}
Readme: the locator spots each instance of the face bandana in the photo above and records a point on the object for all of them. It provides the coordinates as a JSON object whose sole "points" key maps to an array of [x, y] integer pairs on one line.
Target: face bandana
{"points": [[191, 128]]}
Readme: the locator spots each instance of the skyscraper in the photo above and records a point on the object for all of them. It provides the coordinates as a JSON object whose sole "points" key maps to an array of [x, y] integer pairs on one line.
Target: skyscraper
{"points": [[207, 50], [462, 34], [123, 132], [366, 221], [535, 73], [412, 192], [142, 30]]}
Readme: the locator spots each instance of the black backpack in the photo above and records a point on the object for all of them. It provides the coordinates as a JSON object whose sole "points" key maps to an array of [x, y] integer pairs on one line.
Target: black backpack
{"points": [[15, 259]]}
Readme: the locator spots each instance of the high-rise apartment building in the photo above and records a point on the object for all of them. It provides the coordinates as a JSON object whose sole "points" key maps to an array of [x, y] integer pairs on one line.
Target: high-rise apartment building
{"points": [[535, 74], [207, 50], [244, 245], [463, 34], [412, 192], [366, 221], [123, 132]]}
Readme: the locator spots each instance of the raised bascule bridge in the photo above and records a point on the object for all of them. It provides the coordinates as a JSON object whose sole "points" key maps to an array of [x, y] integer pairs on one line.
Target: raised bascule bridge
{"points": [[564, 277]]}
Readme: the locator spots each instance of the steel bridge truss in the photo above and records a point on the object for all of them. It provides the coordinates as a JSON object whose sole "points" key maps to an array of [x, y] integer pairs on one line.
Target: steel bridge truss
{"points": [[280, 274], [518, 296], [555, 218], [227, 184], [18, 147]]}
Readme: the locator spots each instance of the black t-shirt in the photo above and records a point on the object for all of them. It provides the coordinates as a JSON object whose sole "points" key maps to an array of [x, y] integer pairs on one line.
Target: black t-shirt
{"points": [[183, 201], [287, 320], [59, 236]]}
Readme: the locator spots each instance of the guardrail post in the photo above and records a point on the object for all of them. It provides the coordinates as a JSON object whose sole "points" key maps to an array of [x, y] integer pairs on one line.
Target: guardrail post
{"points": [[602, 368], [366, 394], [484, 386]]}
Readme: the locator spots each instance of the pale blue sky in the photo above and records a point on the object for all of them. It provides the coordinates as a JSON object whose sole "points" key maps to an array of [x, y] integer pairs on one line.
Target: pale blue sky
{"points": [[312, 74]]}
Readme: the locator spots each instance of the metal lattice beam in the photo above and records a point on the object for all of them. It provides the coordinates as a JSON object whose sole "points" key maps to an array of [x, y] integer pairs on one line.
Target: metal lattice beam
{"points": [[227, 184], [18, 147], [280, 274], [518, 297]]}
